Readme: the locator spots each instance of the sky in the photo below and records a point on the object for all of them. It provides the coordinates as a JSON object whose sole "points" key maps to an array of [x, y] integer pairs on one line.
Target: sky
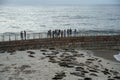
{"points": [[35, 2]]}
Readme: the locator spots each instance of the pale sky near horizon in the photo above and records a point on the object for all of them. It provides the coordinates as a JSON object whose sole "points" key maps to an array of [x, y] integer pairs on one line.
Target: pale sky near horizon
{"points": [[60, 1]]}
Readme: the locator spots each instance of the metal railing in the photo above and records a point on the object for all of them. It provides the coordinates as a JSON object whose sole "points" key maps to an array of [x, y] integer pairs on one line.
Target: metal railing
{"points": [[17, 36]]}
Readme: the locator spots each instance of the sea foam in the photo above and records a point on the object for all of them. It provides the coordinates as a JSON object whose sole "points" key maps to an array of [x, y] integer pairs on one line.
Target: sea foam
{"points": [[117, 57]]}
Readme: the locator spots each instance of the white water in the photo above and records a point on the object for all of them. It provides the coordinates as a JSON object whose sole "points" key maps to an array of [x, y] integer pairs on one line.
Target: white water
{"points": [[117, 57]]}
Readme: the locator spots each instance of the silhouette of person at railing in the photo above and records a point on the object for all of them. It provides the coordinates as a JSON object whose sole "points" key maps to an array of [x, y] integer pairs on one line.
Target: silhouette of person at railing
{"points": [[49, 34], [21, 35], [75, 32], [64, 33], [25, 35]]}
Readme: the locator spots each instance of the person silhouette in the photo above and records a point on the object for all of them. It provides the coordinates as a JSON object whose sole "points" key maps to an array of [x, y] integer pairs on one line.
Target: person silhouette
{"points": [[21, 35], [25, 35]]}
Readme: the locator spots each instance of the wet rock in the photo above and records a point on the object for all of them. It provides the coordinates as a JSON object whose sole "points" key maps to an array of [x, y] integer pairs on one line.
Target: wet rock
{"points": [[80, 74], [59, 76], [87, 78], [31, 52]]}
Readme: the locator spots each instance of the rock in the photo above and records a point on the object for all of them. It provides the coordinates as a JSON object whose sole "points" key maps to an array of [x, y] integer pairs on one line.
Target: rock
{"points": [[106, 71], [91, 59], [29, 71], [55, 52], [85, 71], [43, 50], [2, 51], [13, 53], [65, 64], [73, 51], [11, 50], [92, 74], [66, 49], [24, 67], [21, 49], [78, 55], [87, 78], [80, 74], [31, 52], [79, 69], [88, 62], [100, 61], [51, 48], [111, 79], [117, 77], [114, 72], [93, 71], [31, 56], [52, 60], [43, 53], [60, 75], [81, 64], [1, 64]]}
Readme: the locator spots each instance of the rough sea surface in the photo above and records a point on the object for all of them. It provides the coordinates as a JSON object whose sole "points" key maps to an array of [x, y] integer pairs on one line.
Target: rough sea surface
{"points": [[43, 18]]}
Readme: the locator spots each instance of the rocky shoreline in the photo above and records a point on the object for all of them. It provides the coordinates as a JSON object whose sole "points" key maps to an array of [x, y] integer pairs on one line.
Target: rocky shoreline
{"points": [[56, 64]]}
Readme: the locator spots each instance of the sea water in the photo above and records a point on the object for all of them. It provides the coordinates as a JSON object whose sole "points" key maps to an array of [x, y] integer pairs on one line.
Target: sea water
{"points": [[43, 18]]}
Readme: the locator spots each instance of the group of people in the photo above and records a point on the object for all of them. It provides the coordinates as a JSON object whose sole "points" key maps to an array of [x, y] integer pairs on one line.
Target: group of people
{"points": [[53, 33], [23, 35], [61, 33]]}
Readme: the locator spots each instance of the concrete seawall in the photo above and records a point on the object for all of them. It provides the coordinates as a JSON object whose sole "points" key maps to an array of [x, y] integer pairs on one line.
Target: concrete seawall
{"points": [[83, 42]]}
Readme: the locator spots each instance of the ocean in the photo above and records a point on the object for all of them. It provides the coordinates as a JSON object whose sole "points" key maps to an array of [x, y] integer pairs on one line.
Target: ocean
{"points": [[43, 18]]}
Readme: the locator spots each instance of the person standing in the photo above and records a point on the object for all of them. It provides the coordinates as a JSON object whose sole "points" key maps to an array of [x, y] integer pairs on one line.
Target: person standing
{"points": [[21, 35], [25, 35]]}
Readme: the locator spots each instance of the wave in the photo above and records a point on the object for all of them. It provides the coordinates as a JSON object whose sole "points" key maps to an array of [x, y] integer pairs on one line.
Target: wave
{"points": [[117, 57]]}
